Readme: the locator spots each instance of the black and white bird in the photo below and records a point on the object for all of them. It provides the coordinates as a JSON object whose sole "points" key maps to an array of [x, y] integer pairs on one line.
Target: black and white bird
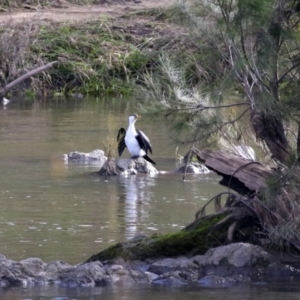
{"points": [[135, 140]]}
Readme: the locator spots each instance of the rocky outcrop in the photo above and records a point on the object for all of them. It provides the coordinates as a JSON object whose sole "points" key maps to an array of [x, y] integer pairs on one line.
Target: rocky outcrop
{"points": [[221, 266]]}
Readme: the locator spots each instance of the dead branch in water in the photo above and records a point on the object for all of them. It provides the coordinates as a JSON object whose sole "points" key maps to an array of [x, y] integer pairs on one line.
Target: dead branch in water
{"points": [[25, 76]]}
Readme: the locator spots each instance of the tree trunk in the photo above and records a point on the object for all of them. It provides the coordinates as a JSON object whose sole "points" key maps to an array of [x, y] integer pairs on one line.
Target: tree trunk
{"points": [[269, 129]]}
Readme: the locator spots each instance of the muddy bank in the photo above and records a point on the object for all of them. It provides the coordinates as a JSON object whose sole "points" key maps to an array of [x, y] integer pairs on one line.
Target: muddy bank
{"points": [[105, 48]]}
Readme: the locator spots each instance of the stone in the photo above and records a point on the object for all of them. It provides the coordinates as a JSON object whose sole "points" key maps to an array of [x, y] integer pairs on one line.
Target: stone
{"points": [[172, 264], [193, 168], [84, 275], [127, 167], [32, 266], [234, 259], [94, 157], [219, 267]]}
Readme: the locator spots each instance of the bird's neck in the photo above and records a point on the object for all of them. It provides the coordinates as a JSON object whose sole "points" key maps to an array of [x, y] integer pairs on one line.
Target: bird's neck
{"points": [[131, 126]]}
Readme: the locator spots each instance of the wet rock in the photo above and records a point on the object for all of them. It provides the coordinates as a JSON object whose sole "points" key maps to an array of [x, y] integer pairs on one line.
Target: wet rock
{"points": [[32, 266], [84, 275], [54, 268], [25, 273], [173, 264], [219, 281], [94, 157], [122, 276], [169, 281], [213, 280], [235, 259], [175, 271], [221, 266], [127, 167], [151, 276], [281, 270], [193, 168]]}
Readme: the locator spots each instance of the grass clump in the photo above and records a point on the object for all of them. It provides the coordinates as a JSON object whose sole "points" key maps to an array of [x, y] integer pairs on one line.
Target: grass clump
{"points": [[91, 55]]}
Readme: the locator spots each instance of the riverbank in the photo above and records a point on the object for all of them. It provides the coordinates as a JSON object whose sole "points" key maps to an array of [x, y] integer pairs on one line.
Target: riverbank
{"points": [[105, 48], [220, 267]]}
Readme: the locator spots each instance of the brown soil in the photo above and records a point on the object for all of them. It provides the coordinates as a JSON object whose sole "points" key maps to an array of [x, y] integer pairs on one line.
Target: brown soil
{"points": [[65, 12]]}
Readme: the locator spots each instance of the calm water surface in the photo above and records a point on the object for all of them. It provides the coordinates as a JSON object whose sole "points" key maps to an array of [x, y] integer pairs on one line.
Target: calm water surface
{"points": [[262, 291], [53, 210]]}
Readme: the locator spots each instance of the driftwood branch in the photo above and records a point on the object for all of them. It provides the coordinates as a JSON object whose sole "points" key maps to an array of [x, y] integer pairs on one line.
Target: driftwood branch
{"points": [[238, 173], [25, 76]]}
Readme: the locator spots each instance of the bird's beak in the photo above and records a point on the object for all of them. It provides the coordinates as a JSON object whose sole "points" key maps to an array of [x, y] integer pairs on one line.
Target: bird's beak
{"points": [[138, 117]]}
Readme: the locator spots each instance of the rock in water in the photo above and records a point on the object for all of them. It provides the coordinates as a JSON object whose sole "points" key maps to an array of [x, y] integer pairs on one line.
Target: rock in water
{"points": [[94, 157], [127, 166]]}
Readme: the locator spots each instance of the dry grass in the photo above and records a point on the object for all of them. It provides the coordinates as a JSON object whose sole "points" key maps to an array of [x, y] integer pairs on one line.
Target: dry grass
{"points": [[279, 209]]}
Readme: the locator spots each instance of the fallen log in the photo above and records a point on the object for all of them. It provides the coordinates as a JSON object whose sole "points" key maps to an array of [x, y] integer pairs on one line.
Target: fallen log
{"points": [[240, 174]]}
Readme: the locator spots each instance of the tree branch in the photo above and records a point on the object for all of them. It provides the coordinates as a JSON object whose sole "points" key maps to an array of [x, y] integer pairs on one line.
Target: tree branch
{"points": [[25, 76], [288, 71]]}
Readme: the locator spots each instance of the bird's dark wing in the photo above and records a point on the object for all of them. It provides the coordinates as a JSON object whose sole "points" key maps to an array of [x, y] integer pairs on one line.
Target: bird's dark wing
{"points": [[143, 141], [121, 140], [149, 159]]}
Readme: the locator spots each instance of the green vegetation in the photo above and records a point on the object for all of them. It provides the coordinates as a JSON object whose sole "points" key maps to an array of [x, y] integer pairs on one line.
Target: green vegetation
{"points": [[101, 55], [186, 242], [243, 79], [95, 56]]}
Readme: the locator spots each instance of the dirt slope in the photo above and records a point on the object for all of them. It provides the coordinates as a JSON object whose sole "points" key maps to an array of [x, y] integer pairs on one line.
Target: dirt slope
{"points": [[70, 12]]}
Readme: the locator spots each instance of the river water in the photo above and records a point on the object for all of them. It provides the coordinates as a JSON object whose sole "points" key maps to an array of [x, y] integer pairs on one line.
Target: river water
{"points": [[53, 210]]}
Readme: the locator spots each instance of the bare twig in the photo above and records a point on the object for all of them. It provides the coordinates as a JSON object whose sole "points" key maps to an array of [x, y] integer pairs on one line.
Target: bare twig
{"points": [[200, 212]]}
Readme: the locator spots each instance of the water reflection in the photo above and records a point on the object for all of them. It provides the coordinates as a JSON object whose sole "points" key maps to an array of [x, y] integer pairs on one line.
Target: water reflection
{"points": [[134, 196], [268, 291]]}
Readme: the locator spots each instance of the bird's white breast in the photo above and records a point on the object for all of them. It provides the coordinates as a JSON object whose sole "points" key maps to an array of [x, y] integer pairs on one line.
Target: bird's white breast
{"points": [[132, 143]]}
